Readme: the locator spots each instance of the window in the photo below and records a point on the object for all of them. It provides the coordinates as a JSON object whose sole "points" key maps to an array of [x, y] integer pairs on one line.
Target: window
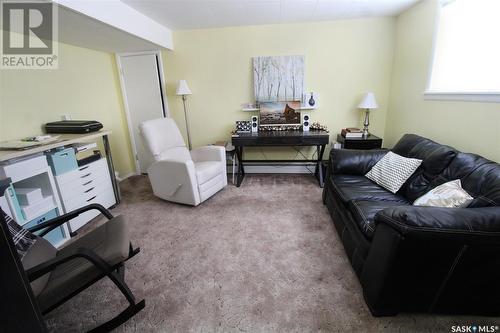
{"points": [[467, 51]]}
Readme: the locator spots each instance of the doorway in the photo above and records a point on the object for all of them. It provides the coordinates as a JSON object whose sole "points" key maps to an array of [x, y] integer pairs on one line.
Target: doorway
{"points": [[143, 88]]}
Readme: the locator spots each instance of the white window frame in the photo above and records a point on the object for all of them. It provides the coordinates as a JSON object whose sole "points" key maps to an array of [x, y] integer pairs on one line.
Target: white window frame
{"points": [[428, 94]]}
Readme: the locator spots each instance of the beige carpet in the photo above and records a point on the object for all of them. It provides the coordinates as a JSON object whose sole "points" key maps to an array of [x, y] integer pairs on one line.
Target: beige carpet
{"points": [[260, 258]]}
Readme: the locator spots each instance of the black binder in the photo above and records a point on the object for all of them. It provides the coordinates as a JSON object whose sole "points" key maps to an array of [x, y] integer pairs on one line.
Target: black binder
{"points": [[73, 126]]}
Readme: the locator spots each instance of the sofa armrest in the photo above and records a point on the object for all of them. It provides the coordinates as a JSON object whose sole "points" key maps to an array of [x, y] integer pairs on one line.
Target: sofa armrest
{"points": [[460, 224], [208, 153], [354, 162]]}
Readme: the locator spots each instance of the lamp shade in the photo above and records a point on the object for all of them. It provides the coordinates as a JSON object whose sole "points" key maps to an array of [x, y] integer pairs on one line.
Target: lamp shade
{"points": [[368, 102], [182, 88]]}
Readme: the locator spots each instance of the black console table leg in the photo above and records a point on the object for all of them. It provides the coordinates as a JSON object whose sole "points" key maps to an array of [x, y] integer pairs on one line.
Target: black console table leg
{"points": [[241, 169], [319, 167], [316, 169]]}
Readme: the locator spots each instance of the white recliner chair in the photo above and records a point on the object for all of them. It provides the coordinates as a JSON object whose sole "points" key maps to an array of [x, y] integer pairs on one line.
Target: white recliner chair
{"points": [[177, 174]]}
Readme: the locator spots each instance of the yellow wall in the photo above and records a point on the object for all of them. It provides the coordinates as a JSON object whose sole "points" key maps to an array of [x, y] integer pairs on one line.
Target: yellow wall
{"points": [[86, 86], [468, 126], [343, 60]]}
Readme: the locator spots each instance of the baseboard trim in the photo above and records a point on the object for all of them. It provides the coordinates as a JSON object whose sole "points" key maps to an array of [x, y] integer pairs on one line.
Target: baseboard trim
{"points": [[120, 179], [306, 168], [259, 167]]}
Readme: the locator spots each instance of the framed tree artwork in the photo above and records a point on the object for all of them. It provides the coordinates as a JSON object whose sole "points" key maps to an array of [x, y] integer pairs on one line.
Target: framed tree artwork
{"points": [[278, 79]]}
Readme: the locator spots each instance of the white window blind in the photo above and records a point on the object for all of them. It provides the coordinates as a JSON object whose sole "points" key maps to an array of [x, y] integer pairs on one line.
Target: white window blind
{"points": [[467, 48]]}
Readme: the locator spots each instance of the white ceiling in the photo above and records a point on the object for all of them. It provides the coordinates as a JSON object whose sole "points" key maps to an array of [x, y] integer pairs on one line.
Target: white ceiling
{"points": [[199, 14]]}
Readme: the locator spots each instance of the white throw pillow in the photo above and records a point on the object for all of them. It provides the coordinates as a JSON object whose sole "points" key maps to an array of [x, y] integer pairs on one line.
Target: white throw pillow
{"points": [[393, 170], [450, 194]]}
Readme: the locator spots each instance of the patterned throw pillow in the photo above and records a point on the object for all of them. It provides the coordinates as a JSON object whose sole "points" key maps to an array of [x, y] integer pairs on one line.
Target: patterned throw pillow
{"points": [[450, 194], [22, 238], [393, 170]]}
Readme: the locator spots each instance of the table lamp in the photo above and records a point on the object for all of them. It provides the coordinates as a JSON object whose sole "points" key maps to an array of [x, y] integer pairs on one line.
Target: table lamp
{"points": [[183, 90], [368, 103]]}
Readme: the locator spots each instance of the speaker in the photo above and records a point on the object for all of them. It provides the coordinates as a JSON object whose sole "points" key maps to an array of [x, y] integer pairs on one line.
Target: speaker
{"points": [[306, 122], [255, 124]]}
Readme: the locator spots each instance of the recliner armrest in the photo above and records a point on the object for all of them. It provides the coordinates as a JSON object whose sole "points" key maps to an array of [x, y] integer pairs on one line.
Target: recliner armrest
{"points": [[354, 162], [208, 153], [462, 224]]}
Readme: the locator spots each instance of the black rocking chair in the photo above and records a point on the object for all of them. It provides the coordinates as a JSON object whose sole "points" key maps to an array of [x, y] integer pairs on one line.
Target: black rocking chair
{"points": [[56, 276]]}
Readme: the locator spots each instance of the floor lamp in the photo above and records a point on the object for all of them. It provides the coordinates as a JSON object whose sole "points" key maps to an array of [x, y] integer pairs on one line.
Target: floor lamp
{"points": [[183, 90]]}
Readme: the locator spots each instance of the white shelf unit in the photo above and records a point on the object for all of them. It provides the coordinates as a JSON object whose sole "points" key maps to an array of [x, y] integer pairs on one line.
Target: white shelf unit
{"points": [[34, 172], [250, 107], [307, 108]]}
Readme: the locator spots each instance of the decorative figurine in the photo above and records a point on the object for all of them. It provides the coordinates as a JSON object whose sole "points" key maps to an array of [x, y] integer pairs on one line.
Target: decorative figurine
{"points": [[318, 127]]}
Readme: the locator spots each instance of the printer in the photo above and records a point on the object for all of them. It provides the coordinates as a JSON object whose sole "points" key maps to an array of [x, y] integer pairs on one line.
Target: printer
{"points": [[73, 126]]}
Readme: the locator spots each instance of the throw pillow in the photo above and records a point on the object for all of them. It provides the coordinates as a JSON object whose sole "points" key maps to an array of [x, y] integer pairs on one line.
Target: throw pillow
{"points": [[393, 170], [450, 194], [22, 238]]}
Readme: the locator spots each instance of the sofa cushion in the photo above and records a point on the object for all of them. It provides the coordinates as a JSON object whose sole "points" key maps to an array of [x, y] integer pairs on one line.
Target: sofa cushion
{"points": [[435, 158], [22, 238], [353, 161], [350, 187], [450, 194], [479, 176], [393, 170], [364, 212]]}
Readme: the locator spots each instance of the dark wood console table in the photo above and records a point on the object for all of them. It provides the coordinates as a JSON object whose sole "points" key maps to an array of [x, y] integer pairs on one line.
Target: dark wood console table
{"points": [[281, 138]]}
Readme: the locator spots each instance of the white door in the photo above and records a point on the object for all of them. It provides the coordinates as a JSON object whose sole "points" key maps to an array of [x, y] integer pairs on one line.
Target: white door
{"points": [[144, 97]]}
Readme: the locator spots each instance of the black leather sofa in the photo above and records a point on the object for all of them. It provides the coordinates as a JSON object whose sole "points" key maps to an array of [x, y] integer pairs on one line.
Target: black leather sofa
{"points": [[419, 259]]}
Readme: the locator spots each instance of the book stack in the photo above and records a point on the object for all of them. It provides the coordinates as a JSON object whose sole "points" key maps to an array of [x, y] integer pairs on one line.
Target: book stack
{"points": [[352, 132]]}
